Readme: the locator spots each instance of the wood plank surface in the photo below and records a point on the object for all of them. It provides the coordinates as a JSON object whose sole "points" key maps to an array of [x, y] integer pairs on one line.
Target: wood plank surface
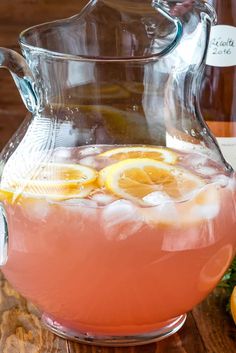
{"points": [[215, 327]]}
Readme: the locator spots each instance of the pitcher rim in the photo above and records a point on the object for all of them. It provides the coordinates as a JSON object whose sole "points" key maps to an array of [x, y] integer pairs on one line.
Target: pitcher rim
{"points": [[84, 58]]}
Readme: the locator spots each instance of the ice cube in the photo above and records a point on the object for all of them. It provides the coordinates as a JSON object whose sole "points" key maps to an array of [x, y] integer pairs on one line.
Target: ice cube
{"points": [[195, 160], [194, 237], [206, 204], [80, 202], [208, 211], [168, 213], [61, 154], [85, 208], [89, 162], [165, 213], [221, 180], [87, 151], [195, 227], [103, 199], [206, 171], [121, 219], [199, 159], [156, 198], [36, 209]]}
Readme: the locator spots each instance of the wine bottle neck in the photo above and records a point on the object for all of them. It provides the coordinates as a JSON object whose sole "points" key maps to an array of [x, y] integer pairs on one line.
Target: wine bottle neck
{"points": [[226, 14]]}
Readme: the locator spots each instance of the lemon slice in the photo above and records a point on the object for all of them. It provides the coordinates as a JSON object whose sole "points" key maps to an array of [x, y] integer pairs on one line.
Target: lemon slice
{"points": [[158, 153], [233, 304], [215, 268], [53, 181], [136, 178]]}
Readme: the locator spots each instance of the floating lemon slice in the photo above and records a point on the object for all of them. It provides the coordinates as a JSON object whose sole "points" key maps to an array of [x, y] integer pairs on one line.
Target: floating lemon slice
{"points": [[104, 90], [215, 268], [53, 181], [233, 304], [136, 178], [157, 153]]}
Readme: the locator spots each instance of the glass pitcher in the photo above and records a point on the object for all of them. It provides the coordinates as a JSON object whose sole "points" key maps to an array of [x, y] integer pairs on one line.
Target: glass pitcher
{"points": [[117, 206]]}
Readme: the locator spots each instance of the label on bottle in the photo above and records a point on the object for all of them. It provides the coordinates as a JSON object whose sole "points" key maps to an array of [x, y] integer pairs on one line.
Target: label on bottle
{"points": [[228, 148], [222, 46]]}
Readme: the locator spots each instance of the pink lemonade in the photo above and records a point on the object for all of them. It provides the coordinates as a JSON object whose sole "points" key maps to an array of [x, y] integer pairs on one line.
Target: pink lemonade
{"points": [[109, 264]]}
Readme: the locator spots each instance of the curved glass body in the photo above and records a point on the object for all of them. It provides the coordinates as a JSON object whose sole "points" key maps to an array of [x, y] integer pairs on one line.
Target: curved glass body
{"points": [[117, 201]]}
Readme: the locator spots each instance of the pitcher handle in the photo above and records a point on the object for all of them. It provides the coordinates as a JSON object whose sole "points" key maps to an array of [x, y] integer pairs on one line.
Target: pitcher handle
{"points": [[24, 81], [163, 10], [3, 237], [174, 15], [21, 73]]}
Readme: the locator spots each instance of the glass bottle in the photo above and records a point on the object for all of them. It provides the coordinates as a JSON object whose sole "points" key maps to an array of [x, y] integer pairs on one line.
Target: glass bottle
{"points": [[218, 94]]}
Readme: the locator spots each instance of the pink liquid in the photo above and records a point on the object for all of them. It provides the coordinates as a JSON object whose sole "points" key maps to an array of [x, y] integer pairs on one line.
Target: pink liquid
{"points": [[108, 267]]}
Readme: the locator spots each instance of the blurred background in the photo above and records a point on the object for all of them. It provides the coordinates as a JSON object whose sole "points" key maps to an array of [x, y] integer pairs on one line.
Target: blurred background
{"points": [[15, 16]]}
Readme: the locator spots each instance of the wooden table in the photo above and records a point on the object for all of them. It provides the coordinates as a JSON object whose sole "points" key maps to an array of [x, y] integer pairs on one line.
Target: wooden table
{"points": [[208, 329]]}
